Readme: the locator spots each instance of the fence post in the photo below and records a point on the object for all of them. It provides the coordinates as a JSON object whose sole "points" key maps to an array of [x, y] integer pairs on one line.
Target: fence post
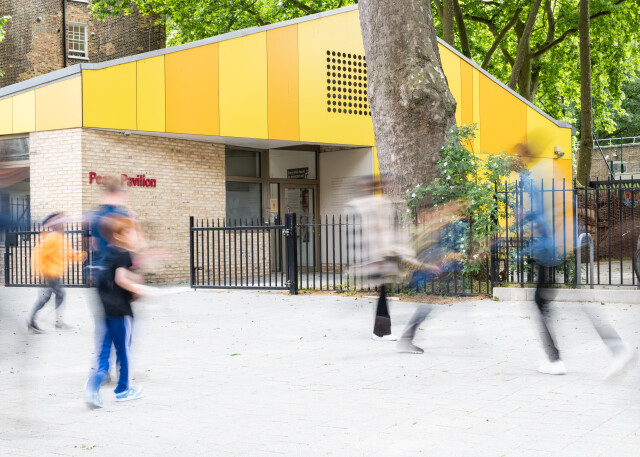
{"points": [[6, 258], [291, 253], [191, 275]]}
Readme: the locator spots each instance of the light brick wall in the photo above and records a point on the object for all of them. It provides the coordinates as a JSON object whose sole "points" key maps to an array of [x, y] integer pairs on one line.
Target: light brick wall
{"points": [[190, 179], [56, 166]]}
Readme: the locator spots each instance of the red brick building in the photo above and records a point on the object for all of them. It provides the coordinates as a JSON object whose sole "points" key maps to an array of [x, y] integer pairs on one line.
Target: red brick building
{"points": [[47, 35]]}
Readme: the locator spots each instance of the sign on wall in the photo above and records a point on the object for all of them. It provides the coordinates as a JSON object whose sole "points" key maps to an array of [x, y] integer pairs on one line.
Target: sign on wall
{"points": [[125, 180]]}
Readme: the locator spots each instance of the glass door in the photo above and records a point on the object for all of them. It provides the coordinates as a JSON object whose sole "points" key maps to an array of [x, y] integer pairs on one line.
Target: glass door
{"points": [[300, 199]]}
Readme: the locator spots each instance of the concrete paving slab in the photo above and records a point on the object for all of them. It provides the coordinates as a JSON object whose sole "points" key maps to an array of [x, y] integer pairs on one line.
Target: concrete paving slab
{"points": [[265, 374]]}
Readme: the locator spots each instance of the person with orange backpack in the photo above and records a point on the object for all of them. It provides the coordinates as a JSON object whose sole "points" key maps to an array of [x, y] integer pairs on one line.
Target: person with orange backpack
{"points": [[50, 258]]}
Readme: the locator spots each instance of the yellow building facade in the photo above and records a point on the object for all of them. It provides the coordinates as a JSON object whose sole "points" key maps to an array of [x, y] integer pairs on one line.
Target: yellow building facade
{"points": [[282, 109]]}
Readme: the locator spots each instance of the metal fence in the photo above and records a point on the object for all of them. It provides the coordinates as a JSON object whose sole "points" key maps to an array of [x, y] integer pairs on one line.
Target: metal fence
{"points": [[595, 232], [20, 245], [236, 254], [322, 254]]}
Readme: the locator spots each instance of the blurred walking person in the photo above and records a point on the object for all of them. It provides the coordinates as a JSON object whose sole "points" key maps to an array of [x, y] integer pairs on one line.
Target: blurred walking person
{"points": [[543, 254], [118, 287], [383, 247], [51, 256]]}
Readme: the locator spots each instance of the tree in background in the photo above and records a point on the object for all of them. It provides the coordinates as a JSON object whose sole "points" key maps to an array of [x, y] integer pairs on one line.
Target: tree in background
{"points": [[3, 21], [542, 62], [192, 20], [586, 110], [411, 104]]}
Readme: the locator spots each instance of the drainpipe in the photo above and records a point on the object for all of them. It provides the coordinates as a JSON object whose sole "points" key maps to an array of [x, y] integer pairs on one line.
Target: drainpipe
{"points": [[64, 32]]}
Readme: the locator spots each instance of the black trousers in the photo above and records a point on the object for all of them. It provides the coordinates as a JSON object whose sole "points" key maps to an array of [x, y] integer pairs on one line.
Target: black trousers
{"points": [[382, 324], [544, 316]]}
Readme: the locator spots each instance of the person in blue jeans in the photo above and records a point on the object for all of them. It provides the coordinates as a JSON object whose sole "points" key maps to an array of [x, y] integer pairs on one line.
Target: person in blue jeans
{"points": [[117, 286]]}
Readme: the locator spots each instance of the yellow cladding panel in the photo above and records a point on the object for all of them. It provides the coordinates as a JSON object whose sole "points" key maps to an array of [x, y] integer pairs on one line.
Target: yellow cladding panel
{"points": [[243, 87], [563, 169], [59, 105], [109, 97], [24, 112], [282, 65], [466, 94], [6, 116], [451, 67], [192, 90], [543, 135], [151, 94], [339, 34], [503, 118], [476, 110]]}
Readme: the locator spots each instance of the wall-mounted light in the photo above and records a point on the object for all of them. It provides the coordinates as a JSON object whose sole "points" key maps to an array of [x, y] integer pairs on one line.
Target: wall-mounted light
{"points": [[557, 152]]}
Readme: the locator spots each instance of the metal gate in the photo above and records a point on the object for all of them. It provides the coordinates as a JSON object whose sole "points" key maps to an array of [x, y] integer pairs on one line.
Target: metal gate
{"points": [[20, 245], [249, 255]]}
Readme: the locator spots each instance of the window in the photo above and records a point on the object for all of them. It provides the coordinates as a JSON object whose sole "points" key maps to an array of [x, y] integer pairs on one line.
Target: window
{"points": [[77, 40], [244, 202], [243, 163], [14, 149]]}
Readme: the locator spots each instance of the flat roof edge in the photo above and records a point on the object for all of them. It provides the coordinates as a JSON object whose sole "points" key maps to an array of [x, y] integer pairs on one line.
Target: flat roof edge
{"points": [[39, 81], [562, 124]]}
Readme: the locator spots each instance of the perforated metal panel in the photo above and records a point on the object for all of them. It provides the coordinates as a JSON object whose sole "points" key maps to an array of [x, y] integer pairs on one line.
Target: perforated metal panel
{"points": [[347, 84]]}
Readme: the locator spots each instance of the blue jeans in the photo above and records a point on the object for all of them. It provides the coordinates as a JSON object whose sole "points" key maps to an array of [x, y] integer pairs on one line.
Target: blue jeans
{"points": [[117, 331]]}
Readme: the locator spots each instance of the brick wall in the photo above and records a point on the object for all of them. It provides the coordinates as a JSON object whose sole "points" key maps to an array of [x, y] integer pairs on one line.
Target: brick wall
{"points": [[34, 40], [190, 180], [56, 166]]}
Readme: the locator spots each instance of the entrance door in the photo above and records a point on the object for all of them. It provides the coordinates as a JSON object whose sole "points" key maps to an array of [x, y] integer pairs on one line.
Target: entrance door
{"points": [[301, 199]]}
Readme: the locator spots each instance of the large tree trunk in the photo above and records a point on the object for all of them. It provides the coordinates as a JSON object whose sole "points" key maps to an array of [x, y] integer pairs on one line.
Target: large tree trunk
{"points": [[586, 110], [411, 104]]}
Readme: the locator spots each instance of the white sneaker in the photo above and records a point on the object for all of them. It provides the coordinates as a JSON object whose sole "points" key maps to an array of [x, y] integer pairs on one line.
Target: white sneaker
{"points": [[406, 345], [390, 337], [620, 360], [549, 367]]}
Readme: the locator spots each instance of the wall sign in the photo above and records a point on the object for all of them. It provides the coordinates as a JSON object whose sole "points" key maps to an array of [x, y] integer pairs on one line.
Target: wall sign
{"points": [[298, 173], [125, 180]]}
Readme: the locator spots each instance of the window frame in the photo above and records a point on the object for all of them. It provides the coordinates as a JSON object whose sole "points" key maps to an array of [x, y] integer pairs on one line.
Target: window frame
{"points": [[86, 40]]}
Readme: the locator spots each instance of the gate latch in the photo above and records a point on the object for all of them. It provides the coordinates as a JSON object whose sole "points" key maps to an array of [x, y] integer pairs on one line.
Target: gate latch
{"points": [[288, 283], [287, 232]]}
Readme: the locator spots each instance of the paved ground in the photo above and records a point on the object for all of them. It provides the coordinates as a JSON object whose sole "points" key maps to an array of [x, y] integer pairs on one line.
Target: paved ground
{"points": [[262, 374]]}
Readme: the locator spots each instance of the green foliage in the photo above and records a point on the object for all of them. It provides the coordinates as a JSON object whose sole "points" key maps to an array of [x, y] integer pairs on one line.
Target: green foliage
{"points": [[615, 53], [196, 19], [3, 21], [477, 182]]}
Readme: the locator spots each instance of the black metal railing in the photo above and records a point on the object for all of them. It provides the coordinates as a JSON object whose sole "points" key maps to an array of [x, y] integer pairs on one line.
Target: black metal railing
{"points": [[323, 254], [331, 249], [236, 254], [601, 222], [20, 246]]}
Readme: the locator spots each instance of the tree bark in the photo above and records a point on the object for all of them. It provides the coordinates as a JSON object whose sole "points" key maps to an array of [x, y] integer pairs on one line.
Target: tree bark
{"points": [[524, 82], [462, 30], [411, 104], [523, 44], [586, 109], [447, 22]]}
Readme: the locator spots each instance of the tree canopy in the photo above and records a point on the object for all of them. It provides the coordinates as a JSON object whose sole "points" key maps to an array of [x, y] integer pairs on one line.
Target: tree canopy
{"points": [[196, 19], [3, 21], [496, 34]]}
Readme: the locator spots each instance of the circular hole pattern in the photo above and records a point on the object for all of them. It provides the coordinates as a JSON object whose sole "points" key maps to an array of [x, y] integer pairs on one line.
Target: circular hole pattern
{"points": [[344, 70]]}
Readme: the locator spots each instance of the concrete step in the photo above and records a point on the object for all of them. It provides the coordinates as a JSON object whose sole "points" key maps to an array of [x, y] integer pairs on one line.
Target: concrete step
{"points": [[629, 295]]}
